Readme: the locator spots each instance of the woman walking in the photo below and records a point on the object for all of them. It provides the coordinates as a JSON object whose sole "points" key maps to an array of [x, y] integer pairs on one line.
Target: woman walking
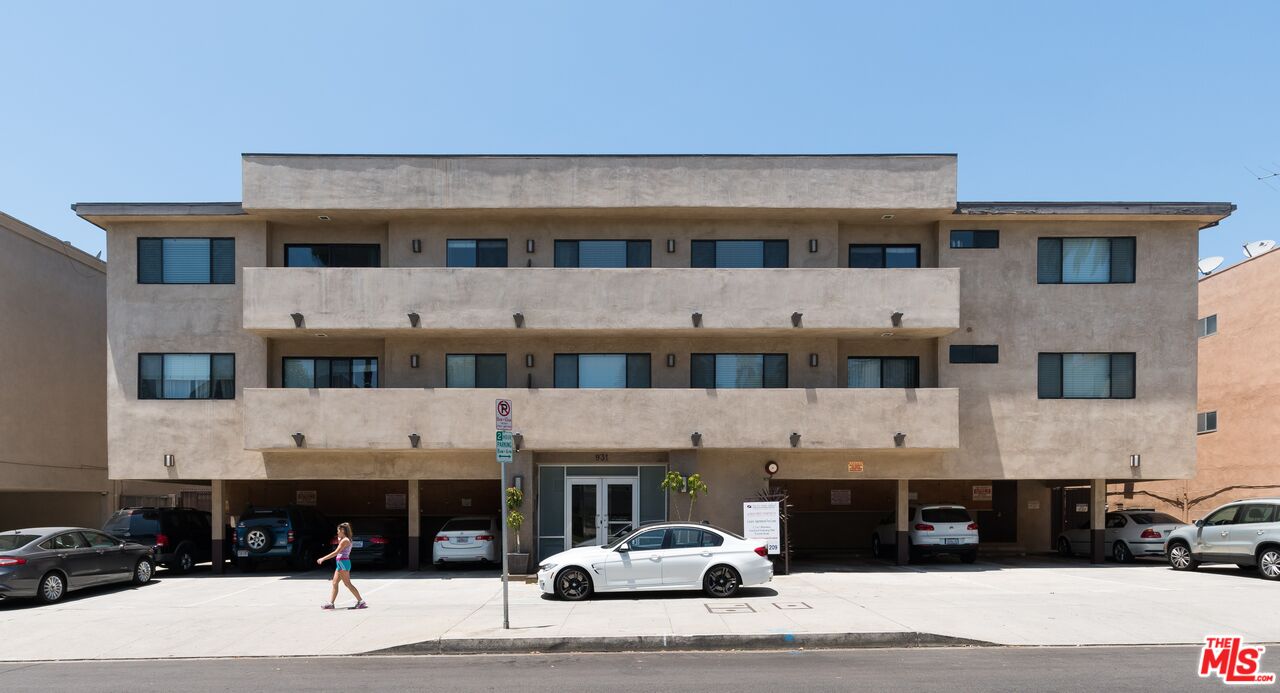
{"points": [[342, 571]]}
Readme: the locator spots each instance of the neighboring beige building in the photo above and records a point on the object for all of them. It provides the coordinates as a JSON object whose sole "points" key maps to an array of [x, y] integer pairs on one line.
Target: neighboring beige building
{"points": [[53, 408], [1237, 411], [842, 316]]}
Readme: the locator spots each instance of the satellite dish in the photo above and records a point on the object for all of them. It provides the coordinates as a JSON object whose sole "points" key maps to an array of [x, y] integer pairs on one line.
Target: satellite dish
{"points": [[1209, 264], [1257, 248]]}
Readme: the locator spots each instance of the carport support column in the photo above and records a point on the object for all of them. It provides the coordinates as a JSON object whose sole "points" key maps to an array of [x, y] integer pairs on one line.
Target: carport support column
{"points": [[414, 507], [1097, 521], [217, 524], [901, 518]]}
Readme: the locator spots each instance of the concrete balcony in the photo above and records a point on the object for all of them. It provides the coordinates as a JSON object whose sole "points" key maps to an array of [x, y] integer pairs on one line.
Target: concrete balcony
{"points": [[378, 301], [585, 420]]}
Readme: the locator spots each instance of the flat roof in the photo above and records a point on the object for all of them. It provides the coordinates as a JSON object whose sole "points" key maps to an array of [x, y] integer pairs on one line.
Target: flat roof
{"points": [[1220, 209], [590, 156], [156, 209], [51, 242]]}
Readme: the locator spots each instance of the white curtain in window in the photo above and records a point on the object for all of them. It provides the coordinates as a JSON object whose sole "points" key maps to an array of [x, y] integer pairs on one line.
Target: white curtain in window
{"points": [[186, 261], [1086, 375], [602, 370], [186, 376], [864, 372], [1086, 260], [739, 370], [460, 370]]}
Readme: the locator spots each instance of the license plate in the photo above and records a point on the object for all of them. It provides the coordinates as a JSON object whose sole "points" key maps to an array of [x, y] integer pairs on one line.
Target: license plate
{"points": [[242, 554], [950, 541], [357, 544], [462, 540]]}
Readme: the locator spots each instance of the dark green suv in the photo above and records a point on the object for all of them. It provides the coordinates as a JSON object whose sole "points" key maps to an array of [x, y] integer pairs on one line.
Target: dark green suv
{"points": [[297, 534]]}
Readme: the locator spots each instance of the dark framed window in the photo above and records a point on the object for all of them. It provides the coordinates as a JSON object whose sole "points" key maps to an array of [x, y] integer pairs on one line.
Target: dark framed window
{"points": [[884, 371], [875, 256], [475, 370], [1207, 326], [1086, 375], [186, 260], [975, 353], [1206, 422], [484, 252], [186, 376], [604, 253], [1086, 260], [332, 255], [602, 370], [975, 238], [329, 371], [732, 371], [739, 254]]}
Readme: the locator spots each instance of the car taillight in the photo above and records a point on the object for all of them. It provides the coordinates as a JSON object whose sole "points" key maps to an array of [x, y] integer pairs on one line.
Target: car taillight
{"points": [[290, 539], [922, 527], [6, 561], [441, 537], [162, 540], [484, 537], [762, 551], [973, 527], [1150, 533], [333, 541], [377, 540]]}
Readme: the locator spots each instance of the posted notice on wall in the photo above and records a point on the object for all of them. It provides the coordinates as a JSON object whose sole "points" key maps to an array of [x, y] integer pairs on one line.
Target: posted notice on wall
{"points": [[760, 522]]}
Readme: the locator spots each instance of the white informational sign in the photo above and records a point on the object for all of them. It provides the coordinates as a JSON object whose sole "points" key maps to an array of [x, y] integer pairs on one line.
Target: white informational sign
{"points": [[304, 498], [1082, 507], [982, 493], [760, 522], [1033, 505], [506, 447], [502, 415]]}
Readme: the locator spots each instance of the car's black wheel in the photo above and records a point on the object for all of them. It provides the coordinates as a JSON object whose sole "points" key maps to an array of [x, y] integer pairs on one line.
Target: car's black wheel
{"points": [[876, 549], [53, 587], [142, 571], [1064, 547], [1180, 557], [183, 562], [1269, 563], [573, 584], [969, 556], [721, 581], [259, 539], [1120, 551], [304, 560]]}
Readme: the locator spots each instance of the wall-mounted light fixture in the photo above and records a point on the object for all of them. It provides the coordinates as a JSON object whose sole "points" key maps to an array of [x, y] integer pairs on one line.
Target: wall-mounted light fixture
{"points": [[415, 320], [528, 246], [416, 245], [519, 318], [299, 439], [795, 439], [899, 439], [518, 440], [671, 360], [813, 360], [323, 217], [813, 245], [413, 360], [697, 319], [1135, 461], [414, 440], [696, 439], [528, 360], [886, 217], [896, 318], [169, 461], [671, 245], [796, 317], [518, 482], [297, 319]]}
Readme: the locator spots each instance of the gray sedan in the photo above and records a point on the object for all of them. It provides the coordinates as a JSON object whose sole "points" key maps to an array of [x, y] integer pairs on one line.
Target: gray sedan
{"points": [[48, 562]]}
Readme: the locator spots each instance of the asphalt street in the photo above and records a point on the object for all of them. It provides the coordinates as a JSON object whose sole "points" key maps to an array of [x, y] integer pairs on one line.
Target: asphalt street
{"points": [[915, 670]]}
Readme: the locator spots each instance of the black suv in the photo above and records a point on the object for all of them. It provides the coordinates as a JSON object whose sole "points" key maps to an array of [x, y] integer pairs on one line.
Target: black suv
{"points": [[180, 537], [297, 533]]}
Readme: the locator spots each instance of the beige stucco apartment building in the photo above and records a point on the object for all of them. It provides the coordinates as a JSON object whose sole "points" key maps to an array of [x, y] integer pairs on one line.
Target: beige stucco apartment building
{"points": [[53, 409], [340, 335], [1237, 425]]}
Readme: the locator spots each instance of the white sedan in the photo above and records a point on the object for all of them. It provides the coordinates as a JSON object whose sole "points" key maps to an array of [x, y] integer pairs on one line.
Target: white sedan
{"points": [[659, 557], [1129, 534]]}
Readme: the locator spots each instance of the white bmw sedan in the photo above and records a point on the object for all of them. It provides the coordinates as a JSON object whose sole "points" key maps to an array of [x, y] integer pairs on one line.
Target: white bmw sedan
{"points": [[672, 556]]}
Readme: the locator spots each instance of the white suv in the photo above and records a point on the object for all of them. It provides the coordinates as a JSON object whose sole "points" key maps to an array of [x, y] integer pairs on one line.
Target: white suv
{"points": [[1245, 532], [931, 530]]}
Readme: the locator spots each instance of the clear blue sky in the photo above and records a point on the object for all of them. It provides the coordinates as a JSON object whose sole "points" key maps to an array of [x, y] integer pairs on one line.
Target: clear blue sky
{"points": [[1087, 101]]}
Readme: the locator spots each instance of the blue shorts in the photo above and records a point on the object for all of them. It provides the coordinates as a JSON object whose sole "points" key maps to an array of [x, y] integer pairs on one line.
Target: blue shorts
{"points": [[343, 565]]}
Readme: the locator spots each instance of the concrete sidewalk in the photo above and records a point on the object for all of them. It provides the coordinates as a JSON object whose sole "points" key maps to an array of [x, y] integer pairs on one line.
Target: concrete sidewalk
{"points": [[1007, 602]]}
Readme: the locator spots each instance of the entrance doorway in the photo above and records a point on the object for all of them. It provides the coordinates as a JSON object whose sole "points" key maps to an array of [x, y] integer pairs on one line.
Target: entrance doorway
{"points": [[600, 509]]}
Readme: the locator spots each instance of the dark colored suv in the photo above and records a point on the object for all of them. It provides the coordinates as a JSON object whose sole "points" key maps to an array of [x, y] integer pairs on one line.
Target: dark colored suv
{"points": [[298, 534], [180, 537]]}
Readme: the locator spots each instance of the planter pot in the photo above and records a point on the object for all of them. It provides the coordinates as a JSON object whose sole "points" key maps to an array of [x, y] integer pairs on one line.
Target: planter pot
{"points": [[518, 563]]}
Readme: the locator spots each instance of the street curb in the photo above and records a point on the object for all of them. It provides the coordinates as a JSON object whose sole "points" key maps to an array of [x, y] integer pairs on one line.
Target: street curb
{"points": [[679, 643]]}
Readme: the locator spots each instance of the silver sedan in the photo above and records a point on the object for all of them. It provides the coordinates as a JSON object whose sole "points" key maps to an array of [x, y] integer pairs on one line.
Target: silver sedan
{"points": [[48, 562]]}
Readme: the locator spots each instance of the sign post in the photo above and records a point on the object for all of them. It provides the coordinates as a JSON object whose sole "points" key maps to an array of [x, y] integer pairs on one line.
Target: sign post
{"points": [[506, 453]]}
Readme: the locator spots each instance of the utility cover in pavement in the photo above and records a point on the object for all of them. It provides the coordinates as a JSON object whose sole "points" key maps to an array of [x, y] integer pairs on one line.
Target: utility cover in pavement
{"points": [[730, 608], [788, 606]]}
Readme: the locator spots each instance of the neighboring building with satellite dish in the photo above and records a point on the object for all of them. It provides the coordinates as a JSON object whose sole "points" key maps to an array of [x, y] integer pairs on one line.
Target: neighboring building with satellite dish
{"points": [[1257, 248], [1209, 264]]}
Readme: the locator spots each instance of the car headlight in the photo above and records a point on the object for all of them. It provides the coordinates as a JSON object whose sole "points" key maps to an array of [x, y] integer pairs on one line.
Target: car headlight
{"points": [[546, 566]]}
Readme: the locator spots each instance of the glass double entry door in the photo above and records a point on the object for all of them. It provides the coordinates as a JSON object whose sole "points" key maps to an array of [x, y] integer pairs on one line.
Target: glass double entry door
{"points": [[600, 509]]}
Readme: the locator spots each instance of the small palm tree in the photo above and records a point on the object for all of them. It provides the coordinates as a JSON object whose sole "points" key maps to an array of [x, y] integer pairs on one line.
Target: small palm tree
{"points": [[675, 482]]}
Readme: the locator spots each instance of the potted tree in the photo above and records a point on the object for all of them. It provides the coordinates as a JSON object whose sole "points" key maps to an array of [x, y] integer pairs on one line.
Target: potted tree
{"points": [[517, 561]]}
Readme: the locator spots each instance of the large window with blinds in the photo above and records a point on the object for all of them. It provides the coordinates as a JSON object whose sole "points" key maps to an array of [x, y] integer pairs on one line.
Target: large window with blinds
{"points": [[332, 255], [484, 252], [602, 370], [475, 370], [1086, 260], [884, 371], [877, 256], [1086, 376], [603, 254], [186, 261], [329, 372], [738, 254], [186, 376], [730, 371]]}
